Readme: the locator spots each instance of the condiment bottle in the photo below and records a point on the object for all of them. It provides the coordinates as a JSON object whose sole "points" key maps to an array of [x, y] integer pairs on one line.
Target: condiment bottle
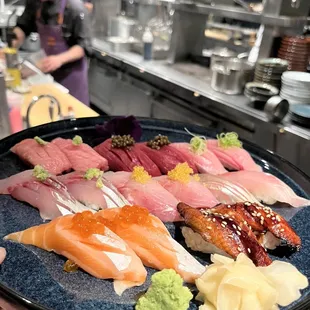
{"points": [[148, 39]]}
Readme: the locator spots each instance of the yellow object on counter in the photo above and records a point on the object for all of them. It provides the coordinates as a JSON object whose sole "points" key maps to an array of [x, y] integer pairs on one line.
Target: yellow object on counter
{"points": [[40, 113], [13, 66]]}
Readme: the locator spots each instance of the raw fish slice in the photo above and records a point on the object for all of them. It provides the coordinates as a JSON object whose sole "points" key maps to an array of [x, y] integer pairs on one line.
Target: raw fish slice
{"points": [[166, 158], [223, 233], [118, 179], [193, 192], [154, 197], [82, 156], [15, 179], [46, 154], [206, 162], [87, 242], [50, 197], [233, 158], [226, 192], [115, 163], [89, 193], [151, 241], [266, 187], [2, 255]]}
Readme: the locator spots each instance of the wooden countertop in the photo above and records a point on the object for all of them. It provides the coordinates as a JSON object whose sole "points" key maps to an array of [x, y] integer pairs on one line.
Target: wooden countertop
{"points": [[39, 113]]}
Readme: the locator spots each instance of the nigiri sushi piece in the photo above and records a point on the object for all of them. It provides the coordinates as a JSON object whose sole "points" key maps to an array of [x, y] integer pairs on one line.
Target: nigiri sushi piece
{"points": [[164, 155], [181, 183], [266, 187], [148, 237], [204, 159], [15, 179], [143, 191], [229, 151], [93, 190], [39, 152], [47, 194], [212, 233], [86, 241], [81, 155], [2, 255], [226, 192], [123, 152], [118, 179]]}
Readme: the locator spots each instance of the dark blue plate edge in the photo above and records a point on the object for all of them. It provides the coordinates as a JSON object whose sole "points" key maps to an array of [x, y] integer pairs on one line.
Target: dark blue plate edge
{"points": [[76, 123]]}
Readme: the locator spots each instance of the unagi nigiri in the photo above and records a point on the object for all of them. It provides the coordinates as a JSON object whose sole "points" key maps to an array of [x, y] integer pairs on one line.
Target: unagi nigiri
{"points": [[39, 152], [85, 240], [46, 194], [143, 191], [151, 241], [205, 160], [92, 189], [186, 188], [81, 155], [225, 191], [229, 151], [266, 187]]}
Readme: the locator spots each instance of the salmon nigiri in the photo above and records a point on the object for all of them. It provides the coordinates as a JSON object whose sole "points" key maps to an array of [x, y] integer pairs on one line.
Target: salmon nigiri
{"points": [[149, 238], [85, 240]]}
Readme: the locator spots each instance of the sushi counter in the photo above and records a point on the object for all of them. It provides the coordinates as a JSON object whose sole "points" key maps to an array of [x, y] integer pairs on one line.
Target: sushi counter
{"points": [[122, 83]]}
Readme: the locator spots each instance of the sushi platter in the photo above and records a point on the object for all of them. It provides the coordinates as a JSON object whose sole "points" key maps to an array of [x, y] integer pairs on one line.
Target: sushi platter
{"points": [[124, 213]]}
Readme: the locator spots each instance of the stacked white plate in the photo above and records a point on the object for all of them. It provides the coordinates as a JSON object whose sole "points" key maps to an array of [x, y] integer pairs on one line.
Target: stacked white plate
{"points": [[296, 87]]}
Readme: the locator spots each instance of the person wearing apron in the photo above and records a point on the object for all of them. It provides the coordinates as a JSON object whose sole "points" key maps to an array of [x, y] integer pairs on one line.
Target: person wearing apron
{"points": [[63, 26]]}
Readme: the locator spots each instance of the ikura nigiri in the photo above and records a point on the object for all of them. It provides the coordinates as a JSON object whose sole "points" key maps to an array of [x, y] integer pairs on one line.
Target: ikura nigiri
{"points": [[151, 241], [266, 187], [229, 151], [81, 155], [92, 189], [39, 152], [186, 188], [46, 193], [84, 239]]}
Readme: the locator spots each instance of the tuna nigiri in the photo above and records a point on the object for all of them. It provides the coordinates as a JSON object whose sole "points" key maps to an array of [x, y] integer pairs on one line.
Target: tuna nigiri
{"points": [[93, 190], [85, 240], [204, 159], [81, 155], [225, 191], [151, 241], [46, 194], [229, 151], [187, 188], [39, 152], [266, 187], [143, 191], [2, 255]]}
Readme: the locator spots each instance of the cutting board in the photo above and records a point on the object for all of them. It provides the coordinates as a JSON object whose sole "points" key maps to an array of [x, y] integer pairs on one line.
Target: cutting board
{"points": [[39, 113]]}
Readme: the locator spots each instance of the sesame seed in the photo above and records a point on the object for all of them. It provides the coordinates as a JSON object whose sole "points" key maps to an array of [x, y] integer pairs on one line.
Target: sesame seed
{"points": [[230, 236], [223, 225], [247, 204], [273, 218], [208, 227], [209, 219], [222, 217], [249, 250], [245, 223], [229, 206], [268, 215], [250, 227], [259, 214], [213, 220], [239, 233], [234, 226], [262, 221], [282, 229], [239, 249], [239, 228], [278, 218], [230, 219]]}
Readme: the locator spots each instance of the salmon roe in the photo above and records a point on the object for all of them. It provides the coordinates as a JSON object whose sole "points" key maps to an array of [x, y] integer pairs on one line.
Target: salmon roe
{"points": [[87, 224]]}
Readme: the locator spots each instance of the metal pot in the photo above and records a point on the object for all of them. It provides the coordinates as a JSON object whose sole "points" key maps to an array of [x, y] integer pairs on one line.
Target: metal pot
{"points": [[231, 75], [220, 55]]}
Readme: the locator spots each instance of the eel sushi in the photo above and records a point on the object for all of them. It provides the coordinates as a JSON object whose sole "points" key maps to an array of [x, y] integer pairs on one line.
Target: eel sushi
{"points": [[266, 187], [44, 192], [151, 241], [181, 183], [39, 152], [142, 190], [86, 241], [123, 155], [93, 190], [81, 155], [225, 191], [214, 233], [229, 151], [164, 155], [204, 159]]}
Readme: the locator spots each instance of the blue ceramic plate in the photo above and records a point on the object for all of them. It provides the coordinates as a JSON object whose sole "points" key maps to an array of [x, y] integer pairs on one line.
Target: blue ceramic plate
{"points": [[35, 277]]}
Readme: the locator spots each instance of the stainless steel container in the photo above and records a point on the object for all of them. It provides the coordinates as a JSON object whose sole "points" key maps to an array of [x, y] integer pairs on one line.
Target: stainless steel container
{"points": [[221, 55], [122, 27], [230, 76]]}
